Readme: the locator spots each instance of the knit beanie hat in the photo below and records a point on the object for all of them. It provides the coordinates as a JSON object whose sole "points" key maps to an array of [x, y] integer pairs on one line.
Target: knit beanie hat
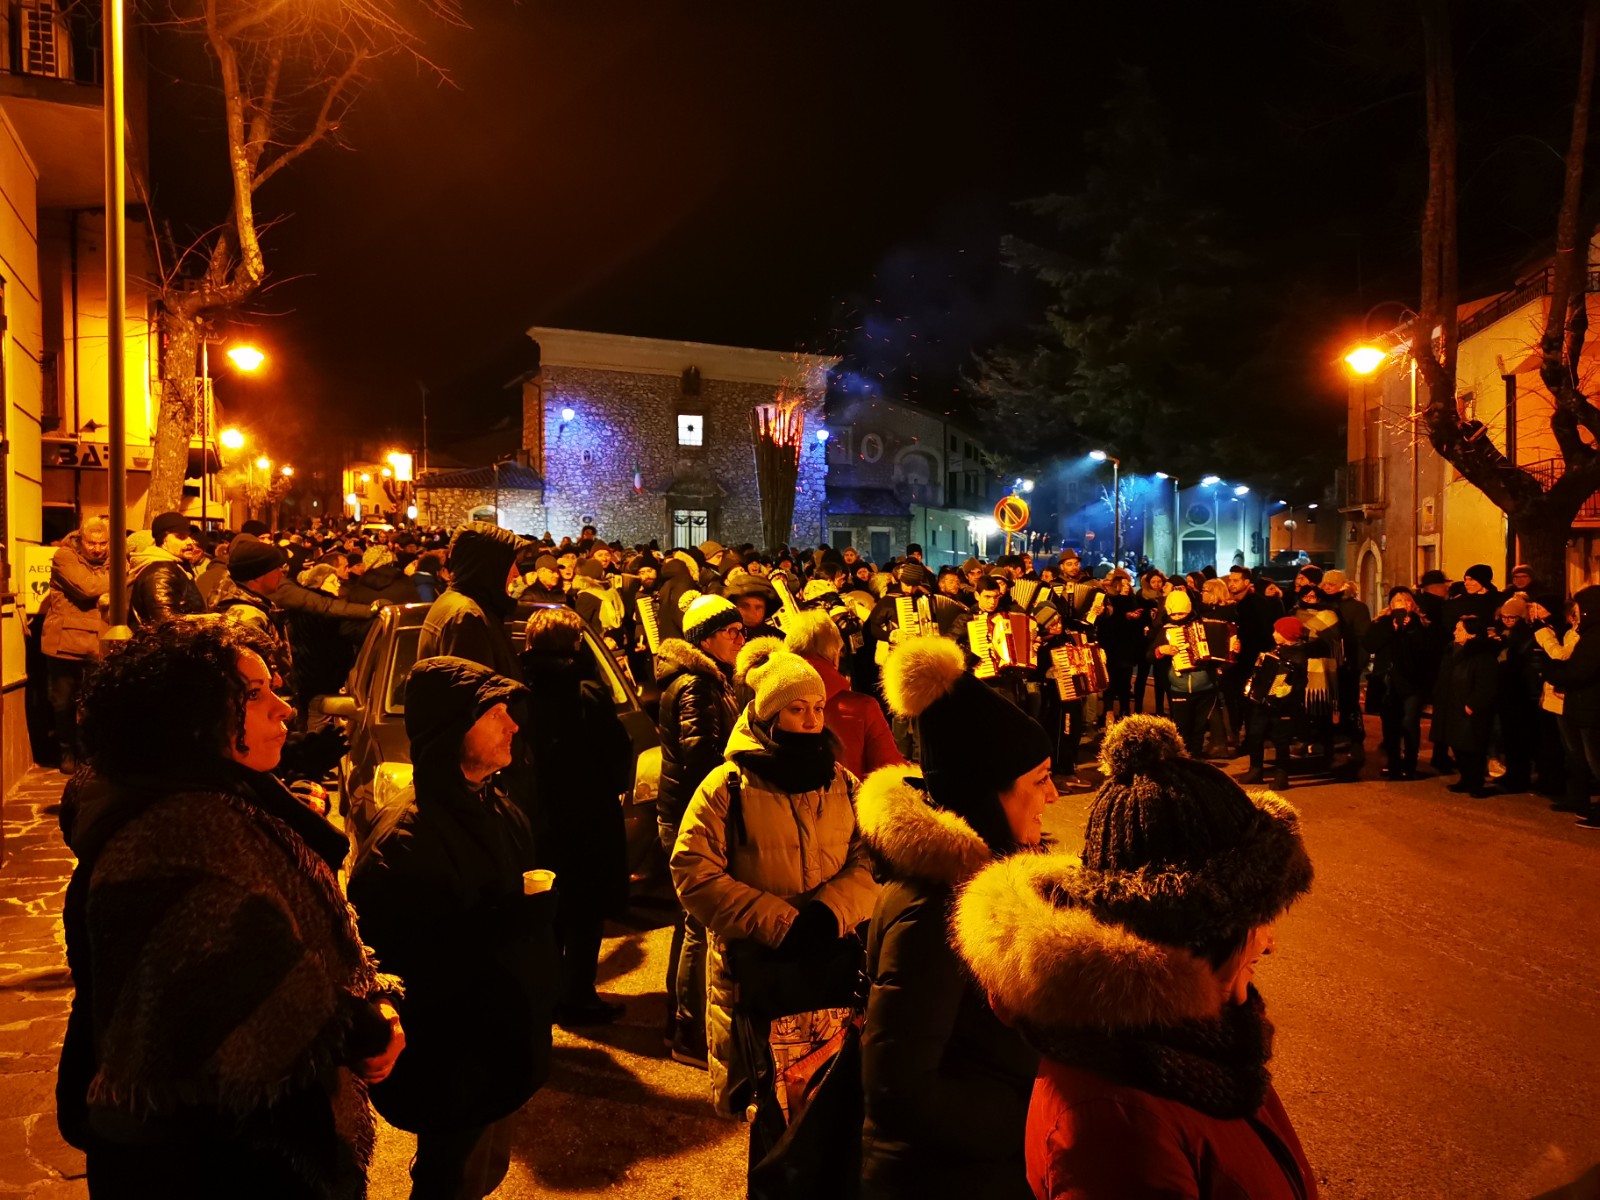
{"points": [[1514, 607], [250, 558], [1312, 573], [971, 564], [1333, 579], [975, 742], [169, 522], [1182, 854], [1290, 629], [706, 616], [546, 562], [1401, 589], [817, 589], [1482, 572], [778, 677], [377, 556], [914, 574], [1178, 603], [591, 569]]}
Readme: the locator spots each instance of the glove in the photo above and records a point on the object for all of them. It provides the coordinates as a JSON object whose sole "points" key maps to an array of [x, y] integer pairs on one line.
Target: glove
{"points": [[811, 932]]}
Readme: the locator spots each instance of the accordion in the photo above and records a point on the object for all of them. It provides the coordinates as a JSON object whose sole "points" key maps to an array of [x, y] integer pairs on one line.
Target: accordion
{"points": [[1008, 645], [1024, 592], [650, 621], [1079, 669], [1199, 643], [912, 618], [785, 596]]}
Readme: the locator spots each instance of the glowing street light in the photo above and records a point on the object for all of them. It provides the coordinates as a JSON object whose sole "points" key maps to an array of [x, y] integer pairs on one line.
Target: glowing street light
{"points": [[1211, 481], [1027, 485], [365, 478], [1098, 455], [387, 472], [822, 435], [1241, 490], [263, 463], [566, 415], [286, 471], [231, 439], [402, 466], [1162, 475], [1364, 360], [247, 358]]}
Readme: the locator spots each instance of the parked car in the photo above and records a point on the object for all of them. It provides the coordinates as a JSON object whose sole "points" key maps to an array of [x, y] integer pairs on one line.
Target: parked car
{"points": [[376, 769]]}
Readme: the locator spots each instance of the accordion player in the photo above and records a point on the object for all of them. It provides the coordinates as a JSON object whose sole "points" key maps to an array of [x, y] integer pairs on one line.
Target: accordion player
{"points": [[1078, 668], [1001, 642], [1201, 643]]}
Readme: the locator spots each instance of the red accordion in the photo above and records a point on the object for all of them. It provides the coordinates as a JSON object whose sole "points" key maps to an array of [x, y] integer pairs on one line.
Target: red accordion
{"points": [[1200, 643]]}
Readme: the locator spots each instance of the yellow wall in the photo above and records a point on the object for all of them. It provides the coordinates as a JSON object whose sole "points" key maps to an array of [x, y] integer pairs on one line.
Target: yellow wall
{"points": [[19, 267]]}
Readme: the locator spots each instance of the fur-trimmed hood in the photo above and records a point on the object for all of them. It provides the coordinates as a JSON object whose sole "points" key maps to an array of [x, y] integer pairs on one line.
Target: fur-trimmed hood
{"points": [[911, 837], [1025, 928], [676, 655]]}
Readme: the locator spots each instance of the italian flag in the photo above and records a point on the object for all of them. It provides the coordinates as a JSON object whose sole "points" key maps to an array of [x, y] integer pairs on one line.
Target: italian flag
{"points": [[638, 480]]}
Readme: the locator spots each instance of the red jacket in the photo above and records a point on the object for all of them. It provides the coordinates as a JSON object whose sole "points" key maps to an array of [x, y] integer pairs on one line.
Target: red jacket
{"points": [[857, 721], [1091, 1139]]}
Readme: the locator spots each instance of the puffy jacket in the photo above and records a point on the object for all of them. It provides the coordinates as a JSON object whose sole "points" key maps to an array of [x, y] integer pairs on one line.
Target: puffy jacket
{"points": [[162, 588], [857, 721], [72, 621], [1402, 654], [440, 899], [696, 715], [946, 1083], [468, 621], [389, 583], [798, 847], [677, 581], [1032, 930]]}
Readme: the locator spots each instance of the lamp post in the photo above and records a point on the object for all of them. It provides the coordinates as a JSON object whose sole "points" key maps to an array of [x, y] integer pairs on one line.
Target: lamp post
{"points": [[116, 315], [1116, 503], [246, 358]]}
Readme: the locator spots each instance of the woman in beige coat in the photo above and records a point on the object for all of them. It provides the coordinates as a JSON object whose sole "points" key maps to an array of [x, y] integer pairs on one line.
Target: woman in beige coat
{"points": [[797, 877]]}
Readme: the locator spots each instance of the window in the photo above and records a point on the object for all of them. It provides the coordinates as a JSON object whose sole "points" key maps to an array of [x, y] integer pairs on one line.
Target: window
{"points": [[841, 538], [880, 544], [691, 429], [689, 526]]}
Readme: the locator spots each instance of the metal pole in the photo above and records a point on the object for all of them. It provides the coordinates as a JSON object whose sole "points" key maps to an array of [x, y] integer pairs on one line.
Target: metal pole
{"points": [[116, 318], [205, 425], [1511, 453], [1177, 536], [1116, 513]]}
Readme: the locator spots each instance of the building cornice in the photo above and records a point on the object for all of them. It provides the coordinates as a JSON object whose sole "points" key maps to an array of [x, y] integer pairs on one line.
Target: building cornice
{"points": [[657, 356]]}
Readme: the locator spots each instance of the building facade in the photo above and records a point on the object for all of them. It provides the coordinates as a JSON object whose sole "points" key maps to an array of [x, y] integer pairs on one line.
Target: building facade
{"points": [[1405, 509]]}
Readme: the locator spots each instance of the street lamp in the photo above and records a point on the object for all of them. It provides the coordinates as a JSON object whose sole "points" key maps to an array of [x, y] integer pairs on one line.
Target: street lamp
{"points": [[1210, 481], [822, 435], [263, 463], [247, 358], [1116, 502], [231, 439], [1364, 360], [286, 470]]}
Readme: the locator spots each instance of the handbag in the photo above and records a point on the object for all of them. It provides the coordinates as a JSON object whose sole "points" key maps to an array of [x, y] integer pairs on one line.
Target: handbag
{"points": [[819, 1154], [768, 983]]}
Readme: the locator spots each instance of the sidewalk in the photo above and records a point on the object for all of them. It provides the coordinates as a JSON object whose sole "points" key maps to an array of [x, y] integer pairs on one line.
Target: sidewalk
{"points": [[35, 995]]}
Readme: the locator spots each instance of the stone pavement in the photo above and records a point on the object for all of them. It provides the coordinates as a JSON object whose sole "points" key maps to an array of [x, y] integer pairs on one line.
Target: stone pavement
{"points": [[35, 995]]}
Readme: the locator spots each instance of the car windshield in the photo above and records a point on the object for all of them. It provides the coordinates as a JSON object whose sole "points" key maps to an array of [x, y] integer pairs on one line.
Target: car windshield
{"points": [[401, 660]]}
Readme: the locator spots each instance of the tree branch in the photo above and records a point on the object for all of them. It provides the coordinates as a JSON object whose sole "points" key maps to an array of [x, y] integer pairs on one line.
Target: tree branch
{"points": [[324, 124]]}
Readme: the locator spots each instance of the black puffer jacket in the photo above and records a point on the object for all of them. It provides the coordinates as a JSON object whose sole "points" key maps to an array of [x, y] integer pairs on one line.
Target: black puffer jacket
{"points": [[1403, 654], [440, 899], [698, 711], [468, 621], [162, 588], [1469, 679], [388, 583], [677, 579], [583, 757], [946, 1083]]}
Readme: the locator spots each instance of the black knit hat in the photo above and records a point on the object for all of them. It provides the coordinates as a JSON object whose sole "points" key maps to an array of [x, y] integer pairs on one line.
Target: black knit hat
{"points": [[1178, 852], [914, 574], [169, 522], [1483, 573], [975, 742], [250, 558]]}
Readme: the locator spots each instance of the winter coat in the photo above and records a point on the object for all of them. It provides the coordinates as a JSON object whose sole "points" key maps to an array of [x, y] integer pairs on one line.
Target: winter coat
{"points": [[946, 1083], [441, 901], [857, 720], [1124, 628], [677, 581], [1355, 618], [600, 605], [1469, 678], [583, 758], [537, 594], [1294, 680], [1556, 649], [1202, 678], [1402, 654], [160, 587], [72, 621], [388, 583], [298, 600], [1028, 928], [468, 621], [798, 847], [1257, 613], [1521, 668], [697, 713], [1578, 678], [222, 990]]}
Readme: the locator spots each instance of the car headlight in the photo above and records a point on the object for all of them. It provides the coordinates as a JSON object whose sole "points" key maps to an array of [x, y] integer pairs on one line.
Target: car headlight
{"points": [[647, 776], [389, 781]]}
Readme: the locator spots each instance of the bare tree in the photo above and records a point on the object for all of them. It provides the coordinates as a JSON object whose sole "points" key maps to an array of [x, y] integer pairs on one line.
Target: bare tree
{"points": [[289, 72], [1540, 516]]}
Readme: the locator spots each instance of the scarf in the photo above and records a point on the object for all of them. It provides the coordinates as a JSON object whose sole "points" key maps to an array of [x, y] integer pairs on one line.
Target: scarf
{"points": [[1217, 1066], [791, 762]]}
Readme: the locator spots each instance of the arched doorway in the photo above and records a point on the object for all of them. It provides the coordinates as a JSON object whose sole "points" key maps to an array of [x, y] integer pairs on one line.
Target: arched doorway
{"points": [[1369, 576]]}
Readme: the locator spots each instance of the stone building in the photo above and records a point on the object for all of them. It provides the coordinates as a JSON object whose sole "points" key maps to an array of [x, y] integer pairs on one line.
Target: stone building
{"points": [[645, 439], [898, 473]]}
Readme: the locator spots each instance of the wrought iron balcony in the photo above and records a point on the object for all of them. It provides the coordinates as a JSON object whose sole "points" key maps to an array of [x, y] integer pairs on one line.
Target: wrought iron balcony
{"points": [[49, 40], [1363, 484]]}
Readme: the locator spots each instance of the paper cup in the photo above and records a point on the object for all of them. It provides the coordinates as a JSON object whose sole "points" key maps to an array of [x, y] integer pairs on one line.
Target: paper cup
{"points": [[534, 882]]}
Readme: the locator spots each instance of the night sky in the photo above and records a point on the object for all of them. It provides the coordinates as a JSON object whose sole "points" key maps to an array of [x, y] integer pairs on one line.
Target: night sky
{"points": [[835, 177]]}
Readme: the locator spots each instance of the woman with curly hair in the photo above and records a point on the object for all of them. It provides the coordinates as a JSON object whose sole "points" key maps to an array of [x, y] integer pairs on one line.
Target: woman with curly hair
{"points": [[227, 1016]]}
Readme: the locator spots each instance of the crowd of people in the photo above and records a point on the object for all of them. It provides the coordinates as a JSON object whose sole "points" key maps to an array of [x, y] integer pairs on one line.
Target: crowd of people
{"points": [[878, 958]]}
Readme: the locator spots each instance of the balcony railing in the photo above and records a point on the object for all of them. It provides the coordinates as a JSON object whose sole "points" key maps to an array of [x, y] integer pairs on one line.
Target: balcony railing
{"points": [[1363, 483], [1524, 293], [1547, 471], [49, 40]]}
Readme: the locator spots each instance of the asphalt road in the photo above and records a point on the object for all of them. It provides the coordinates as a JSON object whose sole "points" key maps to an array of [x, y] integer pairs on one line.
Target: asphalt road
{"points": [[1435, 997]]}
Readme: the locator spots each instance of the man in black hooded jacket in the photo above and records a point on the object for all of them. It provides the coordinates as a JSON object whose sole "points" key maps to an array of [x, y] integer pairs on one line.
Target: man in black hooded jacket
{"points": [[469, 619], [440, 892]]}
